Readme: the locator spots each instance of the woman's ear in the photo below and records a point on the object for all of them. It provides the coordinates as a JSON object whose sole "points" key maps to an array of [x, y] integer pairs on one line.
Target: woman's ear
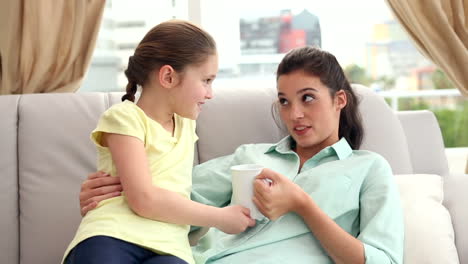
{"points": [[341, 99], [167, 76]]}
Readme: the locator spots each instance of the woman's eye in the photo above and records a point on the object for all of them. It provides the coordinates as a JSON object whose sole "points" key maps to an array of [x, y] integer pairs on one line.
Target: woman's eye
{"points": [[308, 98], [283, 101], [208, 81]]}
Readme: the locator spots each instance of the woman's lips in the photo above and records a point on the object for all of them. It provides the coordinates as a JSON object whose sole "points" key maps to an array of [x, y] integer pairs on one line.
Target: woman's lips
{"points": [[301, 130]]}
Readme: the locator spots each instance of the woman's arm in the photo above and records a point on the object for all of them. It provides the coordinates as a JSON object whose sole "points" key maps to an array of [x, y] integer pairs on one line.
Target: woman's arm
{"points": [[381, 215], [284, 196], [381, 222], [156, 203], [97, 187], [339, 244]]}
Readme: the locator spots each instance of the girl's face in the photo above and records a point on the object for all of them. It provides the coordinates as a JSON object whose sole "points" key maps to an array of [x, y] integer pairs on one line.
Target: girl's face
{"points": [[195, 87], [309, 112]]}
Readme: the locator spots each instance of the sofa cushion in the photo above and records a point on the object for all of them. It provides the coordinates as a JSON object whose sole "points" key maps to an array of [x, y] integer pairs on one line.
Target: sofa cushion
{"points": [[456, 201], [429, 235], [9, 240]]}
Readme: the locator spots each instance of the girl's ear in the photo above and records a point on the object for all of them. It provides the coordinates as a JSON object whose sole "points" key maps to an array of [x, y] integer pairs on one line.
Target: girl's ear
{"points": [[341, 99], [167, 76]]}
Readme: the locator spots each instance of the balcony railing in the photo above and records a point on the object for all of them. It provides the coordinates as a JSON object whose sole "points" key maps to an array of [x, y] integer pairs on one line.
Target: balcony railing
{"points": [[394, 95]]}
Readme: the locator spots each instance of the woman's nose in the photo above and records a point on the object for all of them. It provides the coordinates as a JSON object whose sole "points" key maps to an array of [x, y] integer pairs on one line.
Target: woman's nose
{"points": [[296, 112]]}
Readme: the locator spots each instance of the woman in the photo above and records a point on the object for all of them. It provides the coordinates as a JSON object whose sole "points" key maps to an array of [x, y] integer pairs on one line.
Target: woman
{"points": [[328, 201]]}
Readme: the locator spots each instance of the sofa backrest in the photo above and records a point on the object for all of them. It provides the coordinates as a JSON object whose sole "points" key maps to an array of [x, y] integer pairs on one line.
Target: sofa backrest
{"points": [[9, 226], [46, 154], [425, 142], [235, 117], [243, 115], [55, 154]]}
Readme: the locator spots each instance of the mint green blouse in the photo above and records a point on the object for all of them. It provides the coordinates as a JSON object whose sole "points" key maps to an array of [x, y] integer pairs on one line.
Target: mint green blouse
{"points": [[356, 188]]}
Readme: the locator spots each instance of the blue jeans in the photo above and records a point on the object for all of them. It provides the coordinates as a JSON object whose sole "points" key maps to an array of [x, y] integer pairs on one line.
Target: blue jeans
{"points": [[104, 249]]}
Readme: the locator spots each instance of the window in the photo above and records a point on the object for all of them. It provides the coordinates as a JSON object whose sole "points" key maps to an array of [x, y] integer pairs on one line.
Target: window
{"points": [[253, 36], [368, 42], [123, 26]]}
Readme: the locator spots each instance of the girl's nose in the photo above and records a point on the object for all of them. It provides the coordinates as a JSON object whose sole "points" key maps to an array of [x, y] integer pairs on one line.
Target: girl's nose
{"points": [[209, 93]]}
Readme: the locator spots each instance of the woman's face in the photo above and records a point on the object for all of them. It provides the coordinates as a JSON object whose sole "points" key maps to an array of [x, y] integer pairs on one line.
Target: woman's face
{"points": [[309, 112]]}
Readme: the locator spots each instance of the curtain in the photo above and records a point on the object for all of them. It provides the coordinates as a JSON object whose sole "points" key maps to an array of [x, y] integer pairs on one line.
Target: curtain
{"points": [[46, 45], [439, 28]]}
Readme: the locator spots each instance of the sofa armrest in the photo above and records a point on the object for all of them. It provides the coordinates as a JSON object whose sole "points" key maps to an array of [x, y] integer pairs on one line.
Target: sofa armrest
{"points": [[456, 201]]}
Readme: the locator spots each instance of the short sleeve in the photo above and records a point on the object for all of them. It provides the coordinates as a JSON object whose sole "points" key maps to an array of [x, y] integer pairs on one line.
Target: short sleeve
{"points": [[123, 119]]}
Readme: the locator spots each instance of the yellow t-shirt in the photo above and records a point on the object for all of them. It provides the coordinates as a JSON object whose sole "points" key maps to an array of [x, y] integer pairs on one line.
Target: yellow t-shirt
{"points": [[170, 159]]}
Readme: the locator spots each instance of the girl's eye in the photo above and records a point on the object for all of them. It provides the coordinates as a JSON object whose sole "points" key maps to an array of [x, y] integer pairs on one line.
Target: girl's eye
{"points": [[283, 101], [307, 98], [208, 81]]}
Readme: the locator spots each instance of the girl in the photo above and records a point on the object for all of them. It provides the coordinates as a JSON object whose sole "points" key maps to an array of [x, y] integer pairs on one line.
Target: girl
{"points": [[150, 146]]}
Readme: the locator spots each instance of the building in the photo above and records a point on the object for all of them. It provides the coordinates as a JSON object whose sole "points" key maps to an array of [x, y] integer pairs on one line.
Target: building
{"points": [[391, 54], [279, 34], [262, 40], [307, 28]]}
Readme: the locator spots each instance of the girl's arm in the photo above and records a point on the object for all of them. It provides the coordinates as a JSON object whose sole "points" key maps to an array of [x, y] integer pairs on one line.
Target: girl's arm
{"points": [[156, 203]]}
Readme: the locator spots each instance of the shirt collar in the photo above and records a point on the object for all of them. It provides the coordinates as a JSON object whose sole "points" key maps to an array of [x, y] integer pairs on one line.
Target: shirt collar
{"points": [[284, 146], [341, 148]]}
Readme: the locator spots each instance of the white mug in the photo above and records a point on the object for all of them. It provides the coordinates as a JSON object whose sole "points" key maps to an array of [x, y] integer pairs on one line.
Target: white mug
{"points": [[243, 177]]}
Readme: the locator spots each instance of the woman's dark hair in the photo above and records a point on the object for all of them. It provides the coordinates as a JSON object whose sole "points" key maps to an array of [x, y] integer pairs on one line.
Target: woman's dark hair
{"points": [[324, 65], [176, 43]]}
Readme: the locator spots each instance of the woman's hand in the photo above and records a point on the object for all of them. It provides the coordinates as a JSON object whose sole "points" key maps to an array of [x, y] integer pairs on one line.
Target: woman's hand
{"points": [[234, 219], [97, 187], [276, 195]]}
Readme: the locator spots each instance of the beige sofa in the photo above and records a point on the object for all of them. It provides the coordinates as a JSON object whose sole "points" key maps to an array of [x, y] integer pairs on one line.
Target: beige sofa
{"points": [[46, 153]]}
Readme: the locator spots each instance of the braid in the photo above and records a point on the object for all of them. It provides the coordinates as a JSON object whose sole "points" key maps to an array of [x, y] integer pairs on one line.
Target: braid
{"points": [[131, 90], [132, 84]]}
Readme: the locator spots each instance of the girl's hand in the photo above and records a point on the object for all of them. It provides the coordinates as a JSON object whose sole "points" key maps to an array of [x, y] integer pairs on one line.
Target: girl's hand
{"points": [[234, 219], [97, 187], [278, 197]]}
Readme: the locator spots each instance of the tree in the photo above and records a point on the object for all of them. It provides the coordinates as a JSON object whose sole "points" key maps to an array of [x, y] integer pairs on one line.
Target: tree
{"points": [[356, 74], [454, 125], [410, 104], [386, 82], [440, 80]]}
